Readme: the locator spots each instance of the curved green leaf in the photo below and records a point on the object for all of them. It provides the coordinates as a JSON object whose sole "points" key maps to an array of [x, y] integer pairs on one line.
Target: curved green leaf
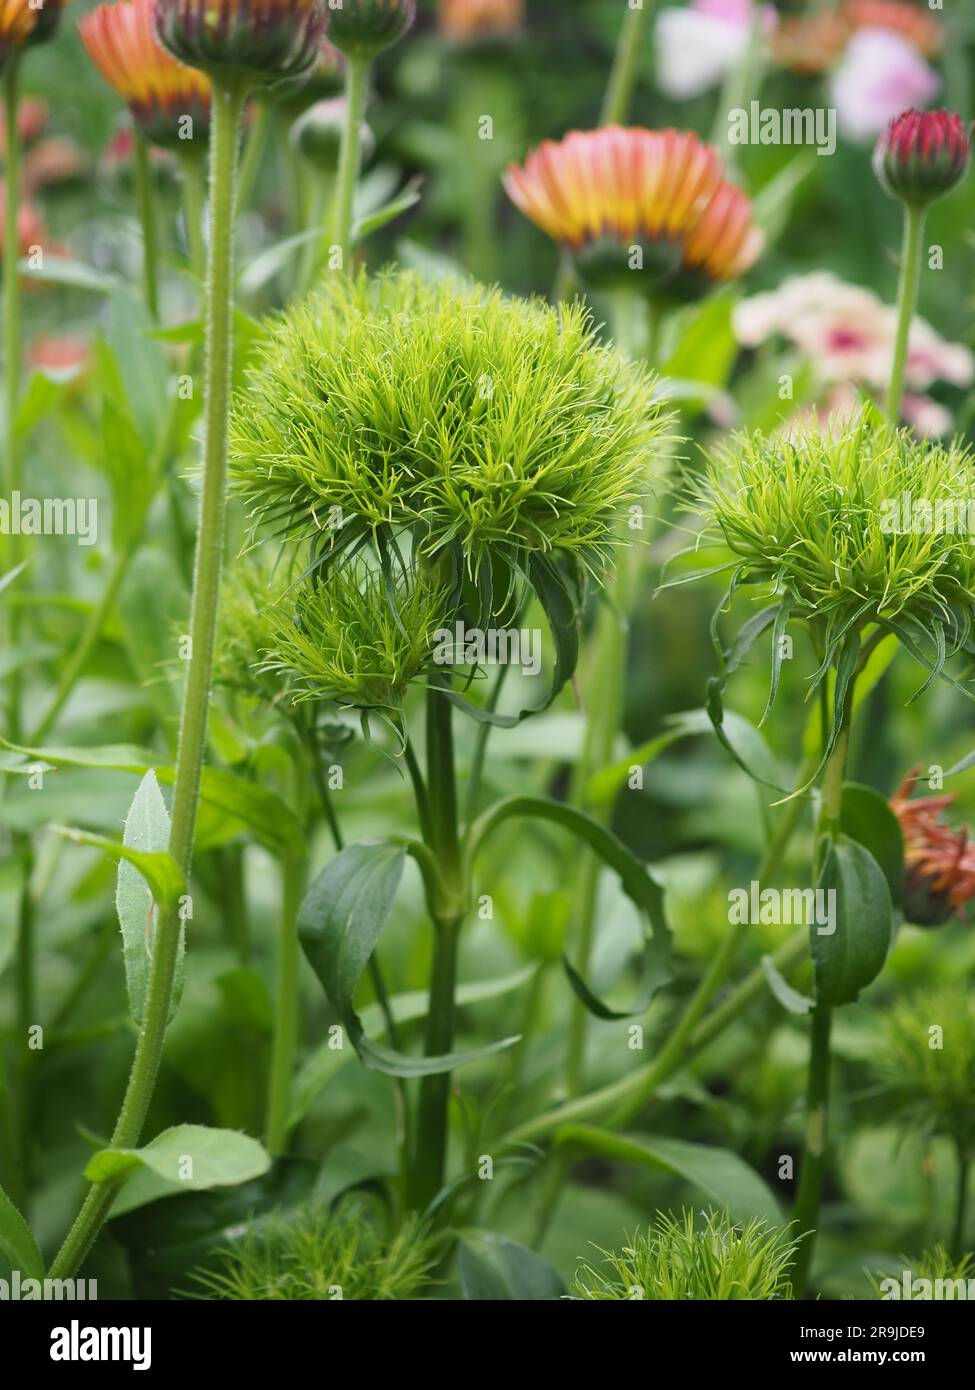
{"points": [[339, 924], [867, 818], [495, 1269], [147, 832], [638, 884], [185, 1158], [720, 1174]]}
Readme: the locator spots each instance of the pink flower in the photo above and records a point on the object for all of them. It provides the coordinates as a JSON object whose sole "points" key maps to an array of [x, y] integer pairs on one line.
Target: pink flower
{"points": [[880, 76], [698, 46], [929, 419]]}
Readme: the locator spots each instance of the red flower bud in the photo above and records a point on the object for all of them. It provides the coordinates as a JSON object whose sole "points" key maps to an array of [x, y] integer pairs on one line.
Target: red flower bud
{"points": [[923, 155]]}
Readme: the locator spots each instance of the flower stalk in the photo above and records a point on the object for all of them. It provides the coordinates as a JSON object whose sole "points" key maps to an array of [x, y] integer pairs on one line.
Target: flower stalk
{"points": [[622, 81], [227, 112], [915, 216], [356, 81]]}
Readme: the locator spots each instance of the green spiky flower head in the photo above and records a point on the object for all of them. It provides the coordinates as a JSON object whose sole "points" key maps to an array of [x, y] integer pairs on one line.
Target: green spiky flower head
{"points": [[475, 448], [851, 526], [927, 1061]]}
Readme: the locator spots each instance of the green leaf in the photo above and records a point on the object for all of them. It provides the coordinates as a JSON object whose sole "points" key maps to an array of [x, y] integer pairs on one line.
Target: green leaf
{"points": [[249, 805], [867, 818], [263, 268], [720, 1174], [17, 1242], [409, 197], [339, 924], [851, 957], [638, 884], [324, 1063], [495, 1269], [147, 831], [186, 1158], [61, 270], [789, 998], [160, 870]]}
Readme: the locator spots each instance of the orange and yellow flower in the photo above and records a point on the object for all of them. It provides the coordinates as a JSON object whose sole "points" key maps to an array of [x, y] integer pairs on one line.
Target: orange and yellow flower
{"points": [[478, 19], [645, 200], [939, 862], [169, 102], [17, 19]]}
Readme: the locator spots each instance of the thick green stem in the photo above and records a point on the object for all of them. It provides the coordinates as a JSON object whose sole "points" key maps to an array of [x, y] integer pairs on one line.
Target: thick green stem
{"points": [[430, 1155], [194, 211], [356, 78], [629, 49], [814, 1156], [227, 108], [146, 194], [910, 277], [284, 1044]]}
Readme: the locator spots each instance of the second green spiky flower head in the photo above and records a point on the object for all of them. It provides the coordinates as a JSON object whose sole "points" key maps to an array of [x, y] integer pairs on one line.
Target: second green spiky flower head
{"points": [[363, 28]]}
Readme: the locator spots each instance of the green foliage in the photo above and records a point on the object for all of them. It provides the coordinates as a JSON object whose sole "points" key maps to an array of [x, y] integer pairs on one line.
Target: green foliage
{"points": [[320, 1255], [678, 1259]]}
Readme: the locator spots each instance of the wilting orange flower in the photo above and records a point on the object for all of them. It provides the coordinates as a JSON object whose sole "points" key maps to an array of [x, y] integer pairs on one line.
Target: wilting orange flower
{"points": [[61, 356], [17, 19], [472, 19], [939, 861], [624, 200], [159, 91]]}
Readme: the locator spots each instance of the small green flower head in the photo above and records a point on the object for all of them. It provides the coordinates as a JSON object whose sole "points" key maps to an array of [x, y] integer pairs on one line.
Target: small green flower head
{"points": [[363, 28], [680, 1259], [353, 640], [495, 428], [927, 1061], [852, 526]]}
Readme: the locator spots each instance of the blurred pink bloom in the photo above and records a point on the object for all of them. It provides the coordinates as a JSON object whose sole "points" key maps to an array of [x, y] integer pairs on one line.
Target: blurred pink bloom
{"points": [[698, 46], [929, 419], [880, 76], [847, 335]]}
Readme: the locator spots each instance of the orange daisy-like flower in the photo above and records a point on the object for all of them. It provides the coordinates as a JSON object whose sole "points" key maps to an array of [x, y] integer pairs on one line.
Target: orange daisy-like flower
{"points": [[939, 861], [478, 19], [169, 101], [639, 200], [17, 19]]}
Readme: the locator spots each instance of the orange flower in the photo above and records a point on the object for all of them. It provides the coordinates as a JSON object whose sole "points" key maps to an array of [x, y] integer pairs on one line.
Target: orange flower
{"points": [[475, 19], [160, 92], [17, 19], [633, 200], [31, 120], [939, 861], [30, 226]]}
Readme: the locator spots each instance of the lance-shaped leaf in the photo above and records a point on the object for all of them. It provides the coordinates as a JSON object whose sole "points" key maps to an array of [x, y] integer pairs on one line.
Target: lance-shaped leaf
{"points": [[850, 949], [147, 832], [638, 884], [339, 924], [185, 1158]]}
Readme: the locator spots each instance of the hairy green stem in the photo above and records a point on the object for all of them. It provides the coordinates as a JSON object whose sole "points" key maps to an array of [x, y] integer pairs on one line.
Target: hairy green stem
{"points": [[912, 251], [629, 49], [356, 79], [227, 108], [11, 359], [146, 195]]}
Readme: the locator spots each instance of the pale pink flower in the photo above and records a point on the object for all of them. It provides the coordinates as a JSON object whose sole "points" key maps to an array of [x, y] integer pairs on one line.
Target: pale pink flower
{"points": [[880, 75], [929, 419], [698, 46]]}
